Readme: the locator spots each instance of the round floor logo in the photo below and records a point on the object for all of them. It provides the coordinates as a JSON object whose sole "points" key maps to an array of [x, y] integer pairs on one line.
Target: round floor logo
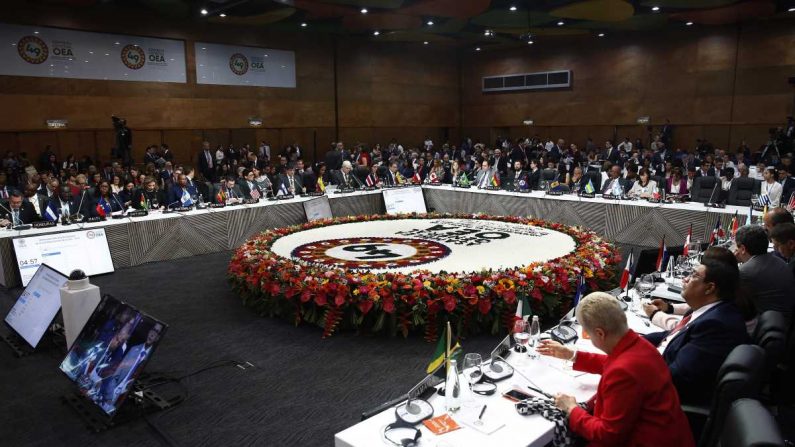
{"points": [[371, 252], [32, 49], [133, 56], [238, 63]]}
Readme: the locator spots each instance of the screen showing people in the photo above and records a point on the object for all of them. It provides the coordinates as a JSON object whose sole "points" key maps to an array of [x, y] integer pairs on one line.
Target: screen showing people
{"points": [[111, 352]]}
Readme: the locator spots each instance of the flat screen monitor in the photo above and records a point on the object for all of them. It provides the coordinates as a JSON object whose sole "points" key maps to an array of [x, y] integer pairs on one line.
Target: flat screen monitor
{"points": [[86, 250], [404, 200], [111, 351], [318, 208], [38, 305]]}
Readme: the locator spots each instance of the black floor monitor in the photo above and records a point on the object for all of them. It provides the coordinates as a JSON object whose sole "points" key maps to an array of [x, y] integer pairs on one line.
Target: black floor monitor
{"points": [[111, 351]]}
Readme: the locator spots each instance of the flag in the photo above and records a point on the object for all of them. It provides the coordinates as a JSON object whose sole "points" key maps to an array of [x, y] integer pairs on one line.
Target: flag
{"points": [[625, 276], [764, 213], [185, 198], [656, 194], [522, 308], [144, 204], [400, 179], [495, 180], [686, 250], [764, 200], [554, 184], [441, 352], [791, 203], [735, 224], [580, 291], [283, 189], [103, 207], [662, 254], [589, 188], [320, 185], [370, 180], [433, 178], [221, 196], [416, 178], [51, 213], [464, 180], [717, 233]]}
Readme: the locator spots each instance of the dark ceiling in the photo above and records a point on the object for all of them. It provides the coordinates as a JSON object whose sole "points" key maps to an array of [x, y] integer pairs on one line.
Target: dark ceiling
{"points": [[461, 22]]}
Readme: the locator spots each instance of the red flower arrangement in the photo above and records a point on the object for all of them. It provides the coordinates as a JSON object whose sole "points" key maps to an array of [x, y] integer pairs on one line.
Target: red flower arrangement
{"points": [[400, 303]]}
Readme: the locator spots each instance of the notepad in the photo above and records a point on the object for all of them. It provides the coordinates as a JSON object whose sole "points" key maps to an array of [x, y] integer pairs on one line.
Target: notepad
{"points": [[441, 424]]}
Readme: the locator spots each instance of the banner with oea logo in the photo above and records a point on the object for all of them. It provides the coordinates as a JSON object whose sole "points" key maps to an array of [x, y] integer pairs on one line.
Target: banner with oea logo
{"points": [[235, 65], [61, 53]]}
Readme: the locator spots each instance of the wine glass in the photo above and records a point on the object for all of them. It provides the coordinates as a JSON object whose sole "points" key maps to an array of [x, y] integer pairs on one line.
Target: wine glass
{"points": [[520, 335], [535, 333], [472, 368]]}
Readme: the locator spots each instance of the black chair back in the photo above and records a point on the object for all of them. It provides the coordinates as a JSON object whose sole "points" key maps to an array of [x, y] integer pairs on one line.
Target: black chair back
{"points": [[549, 175], [738, 377], [771, 335], [741, 190], [749, 424], [703, 188]]}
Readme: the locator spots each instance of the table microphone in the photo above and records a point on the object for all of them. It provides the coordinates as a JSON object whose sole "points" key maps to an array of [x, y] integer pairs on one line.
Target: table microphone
{"points": [[711, 196]]}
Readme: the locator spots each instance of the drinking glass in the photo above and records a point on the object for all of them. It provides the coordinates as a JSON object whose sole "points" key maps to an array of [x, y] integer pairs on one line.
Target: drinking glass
{"points": [[520, 335], [472, 369]]}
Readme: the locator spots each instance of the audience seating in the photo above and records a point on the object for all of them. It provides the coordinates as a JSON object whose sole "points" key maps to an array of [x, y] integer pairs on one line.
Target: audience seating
{"points": [[740, 376], [741, 190], [749, 424], [703, 188], [549, 175]]}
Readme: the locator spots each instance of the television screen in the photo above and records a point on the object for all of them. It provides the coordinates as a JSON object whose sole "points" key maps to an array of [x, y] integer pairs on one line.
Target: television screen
{"points": [[111, 351], [318, 208], [404, 200], [37, 306]]}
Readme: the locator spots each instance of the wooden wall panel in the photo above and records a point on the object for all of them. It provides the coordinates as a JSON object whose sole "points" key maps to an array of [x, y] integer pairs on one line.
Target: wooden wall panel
{"points": [[9, 142], [181, 144], [240, 137], [106, 141], [34, 143]]}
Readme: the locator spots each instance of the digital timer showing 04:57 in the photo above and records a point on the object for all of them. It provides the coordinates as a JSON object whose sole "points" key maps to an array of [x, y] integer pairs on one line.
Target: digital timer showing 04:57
{"points": [[27, 262]]}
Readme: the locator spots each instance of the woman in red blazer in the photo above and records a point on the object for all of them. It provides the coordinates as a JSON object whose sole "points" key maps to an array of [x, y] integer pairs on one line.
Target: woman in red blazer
{"points": [[635, 403]]}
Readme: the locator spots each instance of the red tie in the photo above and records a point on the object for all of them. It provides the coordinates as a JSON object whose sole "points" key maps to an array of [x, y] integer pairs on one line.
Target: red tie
{"points": [[681, 325]]}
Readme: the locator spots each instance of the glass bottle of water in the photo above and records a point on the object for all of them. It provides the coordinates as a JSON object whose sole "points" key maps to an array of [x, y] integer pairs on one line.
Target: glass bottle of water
{"points": [[535, 333], [452, 389]]}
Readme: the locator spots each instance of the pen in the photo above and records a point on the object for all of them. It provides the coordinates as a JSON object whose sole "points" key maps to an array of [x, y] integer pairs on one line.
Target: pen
{"points": [[481, 412]]}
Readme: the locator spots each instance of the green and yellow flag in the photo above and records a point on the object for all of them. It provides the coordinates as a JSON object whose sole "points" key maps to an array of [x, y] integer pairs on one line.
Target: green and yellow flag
{"points": [[320, 185], [443, 351]]}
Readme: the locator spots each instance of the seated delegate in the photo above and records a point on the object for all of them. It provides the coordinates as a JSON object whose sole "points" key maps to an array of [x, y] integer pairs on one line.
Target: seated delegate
{"points": [[636, 403]]}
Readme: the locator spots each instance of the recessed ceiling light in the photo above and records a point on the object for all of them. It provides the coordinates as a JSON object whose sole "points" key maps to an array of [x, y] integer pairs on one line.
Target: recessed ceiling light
{"points": [[601, 34], [303, 25], [689, 23], [560, 23], [530, 42], [477, 49], [655, 8], [203, 11], [429, 23], [90, 52], [425, 43], [791, 10], [512, 8], [204, 48], [375, 33], [35, 32], [364, 11], [222, 15], [488, 32], [116, 43]]}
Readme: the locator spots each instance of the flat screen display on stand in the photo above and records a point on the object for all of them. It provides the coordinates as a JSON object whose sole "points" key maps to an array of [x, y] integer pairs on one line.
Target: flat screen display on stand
{"points": [[38, 305], [404, 200], [86, 250], [111, 351], [317, 209]]}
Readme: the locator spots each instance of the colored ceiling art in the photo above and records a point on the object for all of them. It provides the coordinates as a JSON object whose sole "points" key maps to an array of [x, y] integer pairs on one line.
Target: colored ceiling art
{"points": [[485, 23]]}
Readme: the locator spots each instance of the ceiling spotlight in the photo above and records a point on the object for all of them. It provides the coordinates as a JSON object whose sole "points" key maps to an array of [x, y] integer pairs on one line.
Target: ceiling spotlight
{"points": [[655, 8], [560, 23], [204, 12], [530, 42], [477, 49], [791, 10], [488, 32], [222, 15], [429, 23], [425, 43], [689, 23], [303, 25], [375, 33], [35, 32], [363, 11], [601, 34], [512, 8]]}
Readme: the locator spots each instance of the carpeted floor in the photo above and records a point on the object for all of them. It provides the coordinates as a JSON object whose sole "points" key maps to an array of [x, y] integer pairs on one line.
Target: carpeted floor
{"points": [[302, 391]]}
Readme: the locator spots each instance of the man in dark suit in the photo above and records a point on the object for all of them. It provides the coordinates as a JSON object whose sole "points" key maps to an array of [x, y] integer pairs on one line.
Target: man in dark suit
{"points": [[391, 176], [769, 282], [229, 192], [249, 187], [787, 182], [182, 194], [290, 182], [207, 162], [499, 162], [697, 346], [783, 238], [611, 154], [334, 158], [517, 179], [705, 170], [344, 178], [65, 205], [17, 211]]}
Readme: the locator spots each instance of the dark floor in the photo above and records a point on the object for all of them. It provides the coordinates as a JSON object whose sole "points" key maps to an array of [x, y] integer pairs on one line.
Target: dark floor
{"points": [[303, 391]]}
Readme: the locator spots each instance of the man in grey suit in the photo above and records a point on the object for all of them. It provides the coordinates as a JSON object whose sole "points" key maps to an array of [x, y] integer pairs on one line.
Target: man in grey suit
{"points": [[769, 281], [485, 175], [344, 178]]}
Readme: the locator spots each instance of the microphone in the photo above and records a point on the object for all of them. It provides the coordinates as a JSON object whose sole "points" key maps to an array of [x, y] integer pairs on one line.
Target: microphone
{"points": [[173, 203], [82, 197], [121, 205], [714, 189], [358, 182]]}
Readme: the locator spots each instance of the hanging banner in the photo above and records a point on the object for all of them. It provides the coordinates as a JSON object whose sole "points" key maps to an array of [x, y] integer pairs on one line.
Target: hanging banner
{"points": [[233, 65], [60, 53]]}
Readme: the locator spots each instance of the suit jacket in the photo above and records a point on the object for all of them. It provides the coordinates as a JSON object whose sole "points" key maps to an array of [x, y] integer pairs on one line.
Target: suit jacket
{"points": [[606, 186], [284, 180], [534, 179], [246, 189], [233, 193], [175, 195], [512, 182], [769, 283], [613, 155], [333, 160], [74, 207], [27, 213], [489, 174], [696, 353], [390, 179], [682, 185], [501, 164], [787, 188], [204, 167], [635, 403], [339, 180]]}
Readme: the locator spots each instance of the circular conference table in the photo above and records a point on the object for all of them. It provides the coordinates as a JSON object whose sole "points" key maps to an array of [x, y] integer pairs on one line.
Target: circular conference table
{"points": [[158, 237]]}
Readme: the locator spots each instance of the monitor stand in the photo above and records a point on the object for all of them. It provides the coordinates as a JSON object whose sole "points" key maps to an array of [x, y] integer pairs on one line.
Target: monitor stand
{"points": [[53, 338], [139, 404]]}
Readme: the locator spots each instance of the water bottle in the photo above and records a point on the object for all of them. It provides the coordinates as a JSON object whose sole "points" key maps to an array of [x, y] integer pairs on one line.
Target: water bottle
{"points": [[201, 199], [535, 333], [452, 389]]}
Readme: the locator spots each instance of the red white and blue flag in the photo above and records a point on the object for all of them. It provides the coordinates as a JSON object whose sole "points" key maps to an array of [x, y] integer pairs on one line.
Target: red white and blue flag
{"points": [[686, 250], [625, 276], [662, 255], [717, 233]]}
